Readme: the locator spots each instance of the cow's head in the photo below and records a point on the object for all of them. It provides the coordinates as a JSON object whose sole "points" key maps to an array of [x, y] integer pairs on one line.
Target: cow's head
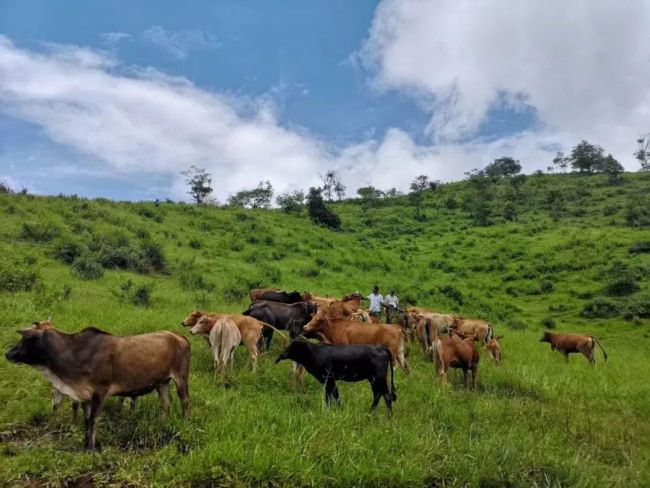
{"points": [[203, 325], [43, 324], [317, 322], [494, 348], [192, 318], [307, 297], [546, 337], [295, 351], [31, 348]]}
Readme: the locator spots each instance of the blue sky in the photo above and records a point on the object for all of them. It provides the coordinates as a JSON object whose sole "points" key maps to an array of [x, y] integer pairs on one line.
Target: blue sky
{"points": [[117, 98]]}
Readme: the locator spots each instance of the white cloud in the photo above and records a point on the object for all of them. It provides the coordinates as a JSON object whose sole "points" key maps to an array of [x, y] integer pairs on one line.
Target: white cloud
{"points": [[583, 65], [112, 39], [179, 44]]}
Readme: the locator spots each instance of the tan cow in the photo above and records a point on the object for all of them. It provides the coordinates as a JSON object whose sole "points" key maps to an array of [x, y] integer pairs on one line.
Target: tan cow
{"points": [[573, 343], [428, 325], [351, 332], [224, 337], [481, 329], [454, 352], [494, 348], [256, 293]]}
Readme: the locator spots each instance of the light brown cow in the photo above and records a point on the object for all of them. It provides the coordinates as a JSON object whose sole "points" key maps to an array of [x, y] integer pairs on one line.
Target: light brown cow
{"points": [[256, 293], [224, 337], [429, 325], [481, 329], [91, 365], [572, 343], [351, 332], [454, 352], [494, 348]]}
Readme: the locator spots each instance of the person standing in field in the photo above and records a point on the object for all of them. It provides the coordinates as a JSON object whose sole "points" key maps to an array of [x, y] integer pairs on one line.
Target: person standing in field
{"points": [[392, 303], [376, 301]]}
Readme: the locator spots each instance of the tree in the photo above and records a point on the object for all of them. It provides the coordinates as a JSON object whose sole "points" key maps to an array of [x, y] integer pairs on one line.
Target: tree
{"points": [[611, 167], [418, 186], [258, 197], [332, 185], [642, 154], [561, 161], [199, 181], [503, 167], [319, 213], [291, 202], [586, 157], [393, 192], [369, 197]]}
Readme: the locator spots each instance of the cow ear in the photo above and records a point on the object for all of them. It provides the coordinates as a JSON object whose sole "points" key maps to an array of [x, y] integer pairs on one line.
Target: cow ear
{"points": [[499, 338]]}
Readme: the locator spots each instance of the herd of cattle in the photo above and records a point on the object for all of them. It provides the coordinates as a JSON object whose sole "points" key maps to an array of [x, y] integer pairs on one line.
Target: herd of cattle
{"points": [[351, 345]]}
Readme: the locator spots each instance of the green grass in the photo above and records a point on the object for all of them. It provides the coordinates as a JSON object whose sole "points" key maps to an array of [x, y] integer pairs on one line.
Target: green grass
{"points": [[533, 420]]}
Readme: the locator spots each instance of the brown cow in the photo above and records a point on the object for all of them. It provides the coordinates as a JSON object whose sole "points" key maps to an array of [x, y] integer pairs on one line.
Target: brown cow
{"points": [[481, 329], [224, 337], [256, 293], [494, 348], [91, 365], [572, 343], [454, 352], [352, 332], [428, 326]]}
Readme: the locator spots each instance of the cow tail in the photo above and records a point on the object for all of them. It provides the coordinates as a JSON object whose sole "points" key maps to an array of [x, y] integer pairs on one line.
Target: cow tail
{"points": [[436, 354], [281, 332], [393, 393], [490, 333], [601, 347]]}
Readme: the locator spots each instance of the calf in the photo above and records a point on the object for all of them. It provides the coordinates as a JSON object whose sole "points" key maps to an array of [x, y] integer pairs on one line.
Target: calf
{"points": [[454, 352], [91, 365], [224, 337], [572, 343], [328, 363], [352, 332], [494, 349]]}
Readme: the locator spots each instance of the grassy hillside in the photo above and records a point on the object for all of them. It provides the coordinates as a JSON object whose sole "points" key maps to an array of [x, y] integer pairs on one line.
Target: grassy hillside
{"points": [[563, 251]]}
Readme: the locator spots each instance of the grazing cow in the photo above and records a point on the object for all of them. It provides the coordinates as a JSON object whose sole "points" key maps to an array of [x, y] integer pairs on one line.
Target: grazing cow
{"points": [[256, 293], [282, 316], [481, 329], [224, 337], [249, 328], [328, 363], [408, 322], [281, 297], [494, 348], [454, 352], [572, 343], [91, 365], [351, 332]]}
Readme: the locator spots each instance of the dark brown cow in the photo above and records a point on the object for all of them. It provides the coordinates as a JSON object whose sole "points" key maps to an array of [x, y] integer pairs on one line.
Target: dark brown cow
{"points": [[353, 332], [256, 293], [573, 343], [455, 352], [91, 365]]}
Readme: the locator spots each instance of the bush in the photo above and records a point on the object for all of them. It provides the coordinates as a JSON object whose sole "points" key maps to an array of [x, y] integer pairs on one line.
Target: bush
{"points": [[138, 295], [622, 286], [16, 279], [640, 247], [548, 323], [195, 244], [516, 325], [39, 232], [87, 268], [546, 286], [67, 250], [191, 279], [319, 213], [600, 307], [452, 293], [151, 257], [638, 307]]}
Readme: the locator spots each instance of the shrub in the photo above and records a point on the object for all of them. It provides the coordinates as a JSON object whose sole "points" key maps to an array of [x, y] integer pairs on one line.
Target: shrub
{"points": [[67, 250], [452, 293], [600, 307], [623, 286], [151, 257], [546, 286], [195, 244], [87, 268], [141, 295], [16, 279], [548, 323], [637, 307], [39, 232], [640, 247], [516, 324], [191, 279], [319, 213]]}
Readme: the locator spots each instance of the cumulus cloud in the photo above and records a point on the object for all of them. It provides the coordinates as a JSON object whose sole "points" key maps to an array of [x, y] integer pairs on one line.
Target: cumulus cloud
{"points": [[179, 44], [583, 66]]}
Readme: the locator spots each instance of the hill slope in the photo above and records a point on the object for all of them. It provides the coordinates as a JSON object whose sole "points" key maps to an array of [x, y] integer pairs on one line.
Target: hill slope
{"points": [[561, 250]]}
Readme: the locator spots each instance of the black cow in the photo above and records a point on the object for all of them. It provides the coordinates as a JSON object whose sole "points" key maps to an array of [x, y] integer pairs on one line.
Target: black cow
{"points": [[282, 296], [282, 316], [328, 363]]}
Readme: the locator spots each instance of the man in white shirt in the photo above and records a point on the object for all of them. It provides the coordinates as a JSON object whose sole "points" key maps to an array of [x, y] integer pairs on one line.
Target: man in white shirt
{"points": [[376, 301], [391, 306]]}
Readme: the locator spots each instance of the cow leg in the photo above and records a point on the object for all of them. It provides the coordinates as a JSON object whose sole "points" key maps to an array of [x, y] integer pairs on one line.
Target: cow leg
{"points": [[474, 371], [267, 332], [133, 400], [402, 360], [96, 404], [75, 411], [165, 400], [566, 357], [377, 393], [465, 377], [251, 346], [57, 399], [330, 387]]}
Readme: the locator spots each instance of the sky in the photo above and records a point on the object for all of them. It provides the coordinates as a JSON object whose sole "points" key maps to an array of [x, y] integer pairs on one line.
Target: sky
{"points": [[117, 99]]}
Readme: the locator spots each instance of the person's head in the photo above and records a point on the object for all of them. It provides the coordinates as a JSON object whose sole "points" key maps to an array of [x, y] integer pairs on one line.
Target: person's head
{"points": [[392, 292], [375, 289]]}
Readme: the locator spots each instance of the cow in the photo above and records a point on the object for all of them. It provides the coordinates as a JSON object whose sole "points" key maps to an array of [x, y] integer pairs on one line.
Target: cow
{"points": [[494, 349], [281, 297], [352, 332], [224, 337], [428, 326], [407, 321], [481, 329], [91, 365], [256, 293], [572, 343], [282, 316], [455, 352], [328, 363], [249, 328]]}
